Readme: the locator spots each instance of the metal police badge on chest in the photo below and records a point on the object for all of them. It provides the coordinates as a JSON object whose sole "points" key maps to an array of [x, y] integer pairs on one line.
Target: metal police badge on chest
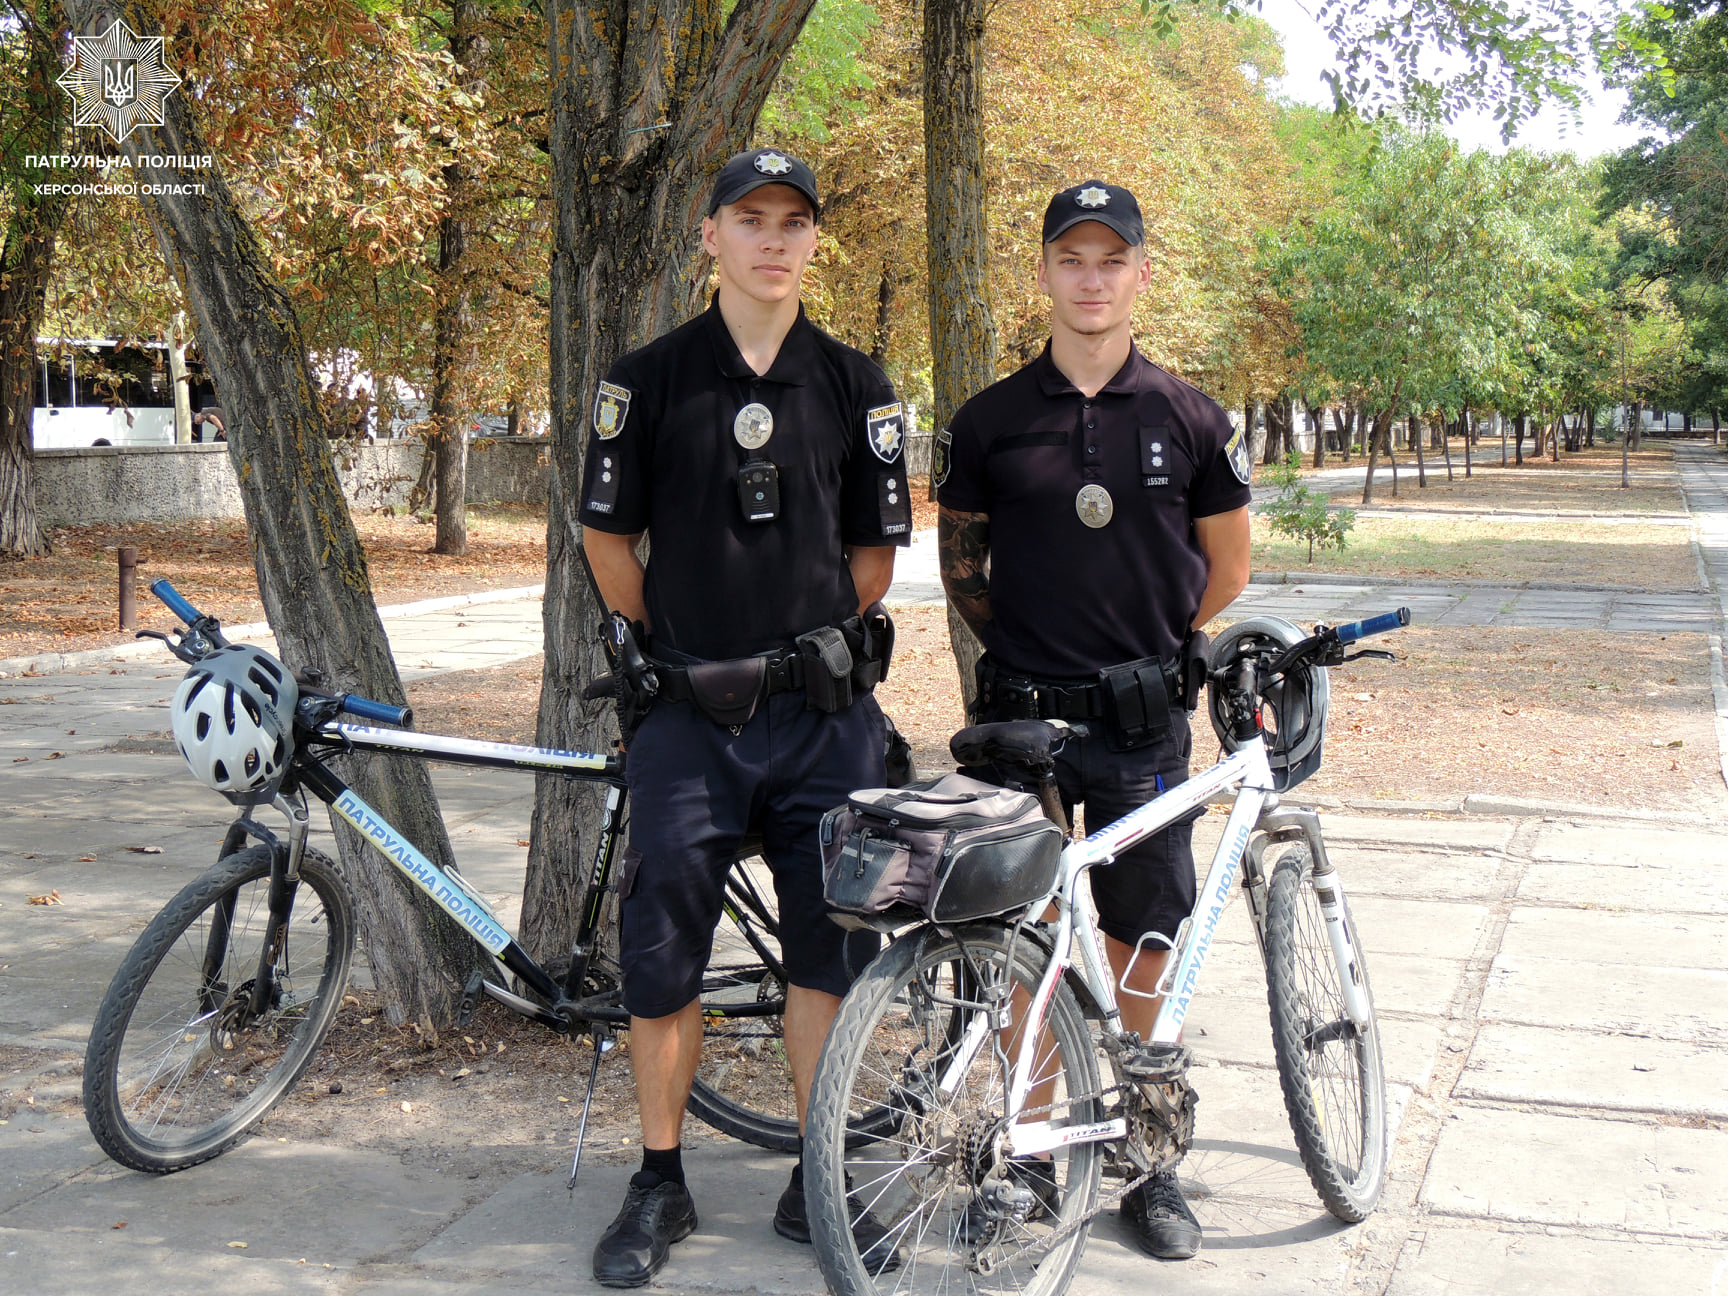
{"points": [[611, 408], [886, 431], [1094, 506], [753, 426]]}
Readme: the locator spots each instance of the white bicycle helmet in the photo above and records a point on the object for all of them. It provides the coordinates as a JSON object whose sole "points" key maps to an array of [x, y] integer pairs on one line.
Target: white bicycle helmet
{"points": [[233, 716], [1293, 709]]}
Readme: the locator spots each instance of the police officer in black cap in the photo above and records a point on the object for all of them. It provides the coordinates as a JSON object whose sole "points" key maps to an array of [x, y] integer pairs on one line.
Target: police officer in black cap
{"points": [[1111, 501], [765, 462]]}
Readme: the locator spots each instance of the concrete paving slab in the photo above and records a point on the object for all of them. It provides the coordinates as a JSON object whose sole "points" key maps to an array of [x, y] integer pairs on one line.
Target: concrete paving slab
{"points": [[1443, 1261], [1432, 927], [1691, 888], [1539, 1168], [1669, 1003], [1236, 1031], [273, 1195], [1630, 847], [1673, 940], [57, 1264], [1629, 1073], [1415, 874], [1432, 834], [38, 1150]]}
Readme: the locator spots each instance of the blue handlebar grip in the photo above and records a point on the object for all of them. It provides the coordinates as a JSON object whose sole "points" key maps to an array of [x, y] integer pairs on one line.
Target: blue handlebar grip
{"points": [[367, 709], [1373, 626], [177, 605]]}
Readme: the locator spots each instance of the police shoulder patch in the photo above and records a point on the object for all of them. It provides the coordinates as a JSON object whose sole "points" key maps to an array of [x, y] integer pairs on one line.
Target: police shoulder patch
{"points": [[942, 456], [611, 408], [1236, 450], [885, 429]]}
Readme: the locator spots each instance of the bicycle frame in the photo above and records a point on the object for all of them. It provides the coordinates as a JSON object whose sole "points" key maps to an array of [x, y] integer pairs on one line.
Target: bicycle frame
{"points": [[447, 888], [1076, 930]]}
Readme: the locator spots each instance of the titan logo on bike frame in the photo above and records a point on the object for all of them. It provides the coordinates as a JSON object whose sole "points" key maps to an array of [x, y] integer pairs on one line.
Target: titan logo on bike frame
{"points": [[426, 875], [1214, 911]]}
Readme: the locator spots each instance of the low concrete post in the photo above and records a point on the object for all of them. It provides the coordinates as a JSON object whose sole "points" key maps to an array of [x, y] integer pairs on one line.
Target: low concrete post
{"points": [[128, 587]]}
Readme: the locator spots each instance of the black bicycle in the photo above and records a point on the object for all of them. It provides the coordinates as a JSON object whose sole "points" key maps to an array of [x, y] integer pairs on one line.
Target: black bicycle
{"points": [[222, 1003]]}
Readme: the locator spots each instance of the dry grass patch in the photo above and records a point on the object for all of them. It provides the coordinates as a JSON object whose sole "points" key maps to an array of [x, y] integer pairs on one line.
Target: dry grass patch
{"points": [[68, 600], [1645, 555]]}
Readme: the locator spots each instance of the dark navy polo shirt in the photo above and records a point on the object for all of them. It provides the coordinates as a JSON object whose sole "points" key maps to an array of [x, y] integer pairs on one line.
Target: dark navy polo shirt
{"points": [[662, 458], [1067, 599]]}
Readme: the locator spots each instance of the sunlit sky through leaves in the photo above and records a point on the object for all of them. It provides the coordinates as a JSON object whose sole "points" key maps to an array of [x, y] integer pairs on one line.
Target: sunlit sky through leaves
{"points": [[1308, 51]]}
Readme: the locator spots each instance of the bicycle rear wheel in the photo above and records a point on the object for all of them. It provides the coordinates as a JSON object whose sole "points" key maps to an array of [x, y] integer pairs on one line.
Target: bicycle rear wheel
{"points": [[1330, 1068], [917, 1036], [179, 1067], [743, 1083]]}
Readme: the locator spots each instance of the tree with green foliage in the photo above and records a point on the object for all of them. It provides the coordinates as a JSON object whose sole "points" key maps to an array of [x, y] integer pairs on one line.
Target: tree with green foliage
{"points": [[1302, 514]]}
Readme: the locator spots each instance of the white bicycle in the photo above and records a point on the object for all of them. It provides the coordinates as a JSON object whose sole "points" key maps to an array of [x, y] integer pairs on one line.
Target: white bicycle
{"points": [[982, 1042]]}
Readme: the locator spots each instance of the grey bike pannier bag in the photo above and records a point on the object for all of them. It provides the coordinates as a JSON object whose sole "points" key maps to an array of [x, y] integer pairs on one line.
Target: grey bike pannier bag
{"points": [[950, 849]]}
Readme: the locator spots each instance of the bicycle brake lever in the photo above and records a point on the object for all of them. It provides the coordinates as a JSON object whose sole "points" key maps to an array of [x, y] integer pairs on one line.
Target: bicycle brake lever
{"points": [[177, 647], [1371, 652]]}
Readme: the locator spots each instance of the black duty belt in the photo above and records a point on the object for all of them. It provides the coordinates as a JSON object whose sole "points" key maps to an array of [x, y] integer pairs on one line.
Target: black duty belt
{"points": [[785, 675]]}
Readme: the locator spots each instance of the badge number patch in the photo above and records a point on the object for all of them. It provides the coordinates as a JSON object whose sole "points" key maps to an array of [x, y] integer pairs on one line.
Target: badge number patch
{"points": [[611, 408], [942, 456], [1236, 450], [885, 426]]}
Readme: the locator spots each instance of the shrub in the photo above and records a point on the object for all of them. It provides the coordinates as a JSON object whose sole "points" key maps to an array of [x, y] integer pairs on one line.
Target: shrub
{"points": [[1300, 514]]}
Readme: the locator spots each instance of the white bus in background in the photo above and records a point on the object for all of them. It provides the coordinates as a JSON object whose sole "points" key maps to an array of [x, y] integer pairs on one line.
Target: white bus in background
{"points": [[71, 414]]}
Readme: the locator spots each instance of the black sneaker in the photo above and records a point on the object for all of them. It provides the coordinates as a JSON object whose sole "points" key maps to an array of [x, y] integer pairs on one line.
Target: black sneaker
{"points": [[1034, 1173], [792, 1221], [634, 1246], [1160, 1220]]}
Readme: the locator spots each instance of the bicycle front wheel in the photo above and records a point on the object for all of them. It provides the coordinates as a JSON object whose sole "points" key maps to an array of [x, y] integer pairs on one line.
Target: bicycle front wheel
{"points": [[180, 1063], [926, 1035], [1330, 1068]]}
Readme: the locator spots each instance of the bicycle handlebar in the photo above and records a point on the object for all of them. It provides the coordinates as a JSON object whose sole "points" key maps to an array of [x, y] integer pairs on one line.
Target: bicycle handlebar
{"points": [[1348, 634], [177, 605], [367, 709], [200, 625]]}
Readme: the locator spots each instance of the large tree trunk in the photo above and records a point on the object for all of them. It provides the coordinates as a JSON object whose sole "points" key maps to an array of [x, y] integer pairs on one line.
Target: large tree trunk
{"points": [[962, 330], [1416, 443], [1317, 421], [26, 259], [1373, 458], [452, 320], [1518, 439], [312, 573], [885, 319], [648, 101]]}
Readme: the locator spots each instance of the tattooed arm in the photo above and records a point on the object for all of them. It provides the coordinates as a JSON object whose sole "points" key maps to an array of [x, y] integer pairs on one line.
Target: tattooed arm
{"points": [[964, 543]]}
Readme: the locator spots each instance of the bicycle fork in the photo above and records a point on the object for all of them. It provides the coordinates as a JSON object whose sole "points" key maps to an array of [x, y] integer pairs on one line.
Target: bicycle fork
{"points": [[1289, 825]]}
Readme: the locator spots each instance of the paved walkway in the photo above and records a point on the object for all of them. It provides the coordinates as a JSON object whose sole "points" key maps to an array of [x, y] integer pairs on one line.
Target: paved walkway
{"points": [[1551, 986]]}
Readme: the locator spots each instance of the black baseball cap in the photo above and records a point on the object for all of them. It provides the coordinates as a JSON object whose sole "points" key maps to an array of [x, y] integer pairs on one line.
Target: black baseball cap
{"points": [[1093, 200], [757, 167]]}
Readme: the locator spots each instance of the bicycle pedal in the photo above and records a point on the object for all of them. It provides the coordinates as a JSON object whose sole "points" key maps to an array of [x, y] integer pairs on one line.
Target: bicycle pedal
{"points": [[470, 999], [1157, 1063]]}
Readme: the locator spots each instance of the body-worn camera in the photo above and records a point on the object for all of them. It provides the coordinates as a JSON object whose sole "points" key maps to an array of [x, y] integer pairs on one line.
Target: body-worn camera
{"points": [[759, 490]]}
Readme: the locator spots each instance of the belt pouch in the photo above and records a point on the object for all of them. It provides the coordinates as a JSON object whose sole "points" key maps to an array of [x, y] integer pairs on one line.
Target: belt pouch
{"points": [[827, 669], [1002, 696], [871, 639], [1136, 704], [728, 692]]}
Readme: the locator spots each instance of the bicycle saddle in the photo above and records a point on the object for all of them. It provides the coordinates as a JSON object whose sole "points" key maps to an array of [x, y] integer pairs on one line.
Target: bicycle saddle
{"points": [[1026, 743]]}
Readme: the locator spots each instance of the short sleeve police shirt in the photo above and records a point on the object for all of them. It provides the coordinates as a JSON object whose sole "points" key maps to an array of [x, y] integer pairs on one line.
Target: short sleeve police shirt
{"points": [[664, 455], [1092, 501]]}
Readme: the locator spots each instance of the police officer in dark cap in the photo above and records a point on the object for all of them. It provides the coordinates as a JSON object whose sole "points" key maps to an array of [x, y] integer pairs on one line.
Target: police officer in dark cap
{"points": [[1110, 499], [764, 460]]}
